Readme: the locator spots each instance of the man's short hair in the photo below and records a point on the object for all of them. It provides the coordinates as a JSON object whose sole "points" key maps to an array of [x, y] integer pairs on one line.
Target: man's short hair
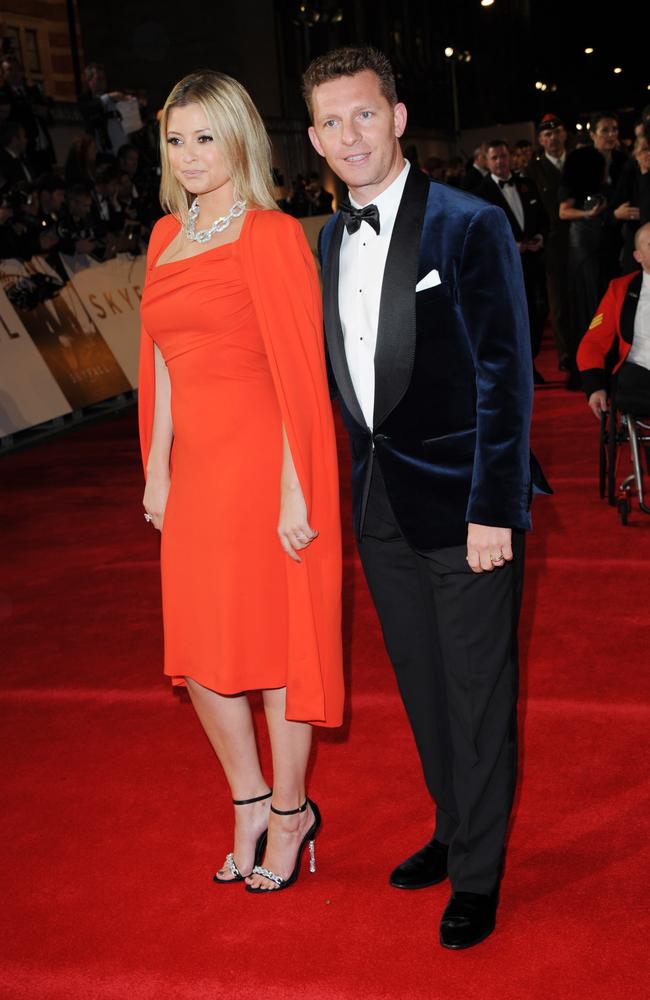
{"points": [[523, 143], [349, 61], [599, 116], [495, 143]]}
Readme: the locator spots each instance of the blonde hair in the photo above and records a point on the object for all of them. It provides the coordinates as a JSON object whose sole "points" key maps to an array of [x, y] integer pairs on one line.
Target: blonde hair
{"points": [[236, 126]]}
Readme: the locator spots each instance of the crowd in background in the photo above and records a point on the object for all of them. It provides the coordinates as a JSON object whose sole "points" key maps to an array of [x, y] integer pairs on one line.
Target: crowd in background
{"points": [[103, 199], [590, 192]]}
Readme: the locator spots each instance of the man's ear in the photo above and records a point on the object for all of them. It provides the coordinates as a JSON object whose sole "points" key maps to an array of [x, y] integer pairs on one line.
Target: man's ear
{"points": [[400, 115], [637, 256], [311, 132]]}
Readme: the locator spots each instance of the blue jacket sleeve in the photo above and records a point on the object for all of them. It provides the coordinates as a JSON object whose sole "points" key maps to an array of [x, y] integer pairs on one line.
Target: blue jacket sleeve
{"points": [[493, 304]]}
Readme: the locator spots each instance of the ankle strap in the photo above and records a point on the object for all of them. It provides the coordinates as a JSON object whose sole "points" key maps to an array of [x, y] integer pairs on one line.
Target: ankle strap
{"points": [[289, 812], [249, 802]]}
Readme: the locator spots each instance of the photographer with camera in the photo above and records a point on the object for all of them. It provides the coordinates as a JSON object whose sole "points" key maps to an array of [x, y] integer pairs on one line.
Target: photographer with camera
{"points": [[14, 166], [100, 112], [79, 229], [29, 107], [22, 236], [109, 211]]}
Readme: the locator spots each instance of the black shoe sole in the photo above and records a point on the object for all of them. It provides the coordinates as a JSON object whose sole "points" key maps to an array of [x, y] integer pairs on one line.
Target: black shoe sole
{"points": [[420, 885]]}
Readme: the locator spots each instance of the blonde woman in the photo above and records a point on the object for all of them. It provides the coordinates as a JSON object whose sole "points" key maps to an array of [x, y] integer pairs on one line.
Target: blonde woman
{"points": [[241, 476]]}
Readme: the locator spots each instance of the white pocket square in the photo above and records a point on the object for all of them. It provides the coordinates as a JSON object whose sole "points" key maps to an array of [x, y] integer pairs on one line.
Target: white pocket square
{"points": [[428, 281]]}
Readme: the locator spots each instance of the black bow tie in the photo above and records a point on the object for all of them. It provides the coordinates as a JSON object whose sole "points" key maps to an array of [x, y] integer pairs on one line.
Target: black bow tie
{"points": [[353, 217], [509, 183]]}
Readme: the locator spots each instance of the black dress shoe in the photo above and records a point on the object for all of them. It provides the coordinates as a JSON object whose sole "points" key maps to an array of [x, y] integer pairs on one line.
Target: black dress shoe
{"points": [[469, 918], [538, 378], [424, 868]]}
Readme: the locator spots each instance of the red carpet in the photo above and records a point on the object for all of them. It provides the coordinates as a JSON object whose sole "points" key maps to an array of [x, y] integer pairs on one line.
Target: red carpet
{"points": [[116, 814]]}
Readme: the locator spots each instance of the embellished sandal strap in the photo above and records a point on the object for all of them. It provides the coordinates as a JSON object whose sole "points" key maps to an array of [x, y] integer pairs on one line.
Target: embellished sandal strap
{"points": [[232, 867], [249, 802], [289, 812], [258, 870]]}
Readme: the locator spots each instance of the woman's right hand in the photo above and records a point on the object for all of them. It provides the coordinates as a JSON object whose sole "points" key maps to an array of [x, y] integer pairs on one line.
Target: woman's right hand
{"points": [[155, 496]]}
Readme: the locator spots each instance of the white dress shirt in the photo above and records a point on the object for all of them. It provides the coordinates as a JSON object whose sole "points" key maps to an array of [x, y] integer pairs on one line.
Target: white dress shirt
{"points": [[361, 273], [640, 350], [510, 193]]}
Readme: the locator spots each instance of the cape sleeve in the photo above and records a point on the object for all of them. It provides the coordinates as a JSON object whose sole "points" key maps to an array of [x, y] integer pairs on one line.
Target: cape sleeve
{"points": [[282, 279], [161, 234]]}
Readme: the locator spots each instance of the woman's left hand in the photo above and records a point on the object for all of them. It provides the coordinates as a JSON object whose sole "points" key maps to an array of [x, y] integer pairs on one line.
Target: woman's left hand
{"points": [[294, 530]]}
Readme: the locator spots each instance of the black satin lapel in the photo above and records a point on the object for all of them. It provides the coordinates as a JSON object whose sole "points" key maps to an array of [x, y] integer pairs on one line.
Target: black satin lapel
{"points": [[333, 328], [628, 312], [396, 327], [501, 201]]}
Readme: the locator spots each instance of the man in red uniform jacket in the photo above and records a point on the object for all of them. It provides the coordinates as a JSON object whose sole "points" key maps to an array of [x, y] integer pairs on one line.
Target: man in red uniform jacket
{"points": [[622, 316]]}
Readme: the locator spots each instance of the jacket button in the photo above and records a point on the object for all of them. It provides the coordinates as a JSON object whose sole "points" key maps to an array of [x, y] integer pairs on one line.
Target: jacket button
{"points": [[381, 437]]}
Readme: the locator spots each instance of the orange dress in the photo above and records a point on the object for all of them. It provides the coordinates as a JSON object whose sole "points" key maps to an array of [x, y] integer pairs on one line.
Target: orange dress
{"points": [[240, 329]]}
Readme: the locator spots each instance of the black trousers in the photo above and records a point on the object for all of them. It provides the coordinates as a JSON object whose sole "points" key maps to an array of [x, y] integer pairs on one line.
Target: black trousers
{"points": [[452, 638]]}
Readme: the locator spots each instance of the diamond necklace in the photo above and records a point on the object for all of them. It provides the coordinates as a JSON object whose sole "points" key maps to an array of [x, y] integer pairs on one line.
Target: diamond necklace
{"points": [[218, 226]]}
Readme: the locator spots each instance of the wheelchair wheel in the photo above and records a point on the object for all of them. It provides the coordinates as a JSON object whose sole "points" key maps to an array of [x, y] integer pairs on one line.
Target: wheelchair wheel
{"points": [[602, 456], [624, 508], [612, 442]]}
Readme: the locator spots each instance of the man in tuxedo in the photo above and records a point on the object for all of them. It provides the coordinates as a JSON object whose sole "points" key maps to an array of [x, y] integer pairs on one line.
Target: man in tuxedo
{"points": [[477, 171], [519, 199], [428, 347], [546, 172], [320, 200]]}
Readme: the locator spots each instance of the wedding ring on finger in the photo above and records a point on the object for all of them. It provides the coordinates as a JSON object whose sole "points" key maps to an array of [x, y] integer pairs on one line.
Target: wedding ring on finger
{"points": [[148, 518], [496, 559]]}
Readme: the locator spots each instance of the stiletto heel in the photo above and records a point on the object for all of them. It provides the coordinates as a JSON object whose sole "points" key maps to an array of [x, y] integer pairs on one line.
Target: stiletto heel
{"points": [[259, 847], [309, 838]]}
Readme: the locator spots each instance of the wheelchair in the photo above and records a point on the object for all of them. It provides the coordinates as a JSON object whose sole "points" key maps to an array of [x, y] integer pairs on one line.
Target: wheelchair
{"points": [[618, 428]]}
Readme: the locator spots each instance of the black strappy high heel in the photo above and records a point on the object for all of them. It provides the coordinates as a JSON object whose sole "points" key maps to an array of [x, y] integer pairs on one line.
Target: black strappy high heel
{"points": [[309, 838], [259, 847]]}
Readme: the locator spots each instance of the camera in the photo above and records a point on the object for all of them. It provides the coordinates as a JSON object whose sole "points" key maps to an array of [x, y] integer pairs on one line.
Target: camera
{"points": [[16, 200], [28, 292]]}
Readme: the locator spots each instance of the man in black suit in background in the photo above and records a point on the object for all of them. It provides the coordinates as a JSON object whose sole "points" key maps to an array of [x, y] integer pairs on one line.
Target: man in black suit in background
{"points": [[546, 171], [477, 171], [519, 199]]}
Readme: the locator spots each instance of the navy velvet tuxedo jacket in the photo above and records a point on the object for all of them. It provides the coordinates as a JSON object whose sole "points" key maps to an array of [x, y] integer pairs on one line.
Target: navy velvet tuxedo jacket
{"points": [[453, 370]]}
